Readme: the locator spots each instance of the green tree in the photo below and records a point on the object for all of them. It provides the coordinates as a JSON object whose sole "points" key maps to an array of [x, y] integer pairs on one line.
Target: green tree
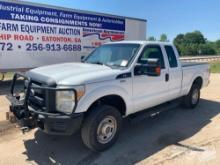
{"points": [[151, 38], [194, 43], [217, 43], [195, 37], [217, 46], [179, 43], [190, 49], [179, 39], [206, 49], [163, 38]]}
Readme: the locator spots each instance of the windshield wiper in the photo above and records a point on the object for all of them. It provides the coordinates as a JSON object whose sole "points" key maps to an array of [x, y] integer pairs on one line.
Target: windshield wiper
{"points": [[100, 63]]}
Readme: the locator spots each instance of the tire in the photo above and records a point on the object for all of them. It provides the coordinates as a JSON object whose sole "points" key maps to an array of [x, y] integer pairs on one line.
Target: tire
{"points": [[190, 100], [101, 119]]}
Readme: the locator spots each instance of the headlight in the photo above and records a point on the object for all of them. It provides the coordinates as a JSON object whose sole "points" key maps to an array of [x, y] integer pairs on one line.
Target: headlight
{"points": [[65, 99]]}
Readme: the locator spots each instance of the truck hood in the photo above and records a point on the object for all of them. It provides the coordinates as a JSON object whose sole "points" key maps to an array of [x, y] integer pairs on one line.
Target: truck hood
{"points": [[72, 74]]}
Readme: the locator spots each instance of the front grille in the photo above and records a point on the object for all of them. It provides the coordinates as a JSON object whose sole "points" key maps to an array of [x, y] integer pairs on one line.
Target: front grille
{"points": [[37, 97]]}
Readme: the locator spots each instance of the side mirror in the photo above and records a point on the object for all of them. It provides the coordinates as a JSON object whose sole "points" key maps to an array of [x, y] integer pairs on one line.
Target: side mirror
{"points": [[82, 58], [151, 68]]}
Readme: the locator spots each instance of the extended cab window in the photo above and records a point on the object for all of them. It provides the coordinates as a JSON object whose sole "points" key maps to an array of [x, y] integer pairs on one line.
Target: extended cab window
{"points": [[152, 51], [171, 56]]}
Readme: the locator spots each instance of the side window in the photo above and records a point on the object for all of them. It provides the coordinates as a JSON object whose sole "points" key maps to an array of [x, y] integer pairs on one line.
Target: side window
{"points": [[153, 51], [171, 56]]}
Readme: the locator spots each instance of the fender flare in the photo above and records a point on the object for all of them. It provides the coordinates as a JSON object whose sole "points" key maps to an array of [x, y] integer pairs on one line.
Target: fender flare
{"points": [[197, 75], [97, 93]]}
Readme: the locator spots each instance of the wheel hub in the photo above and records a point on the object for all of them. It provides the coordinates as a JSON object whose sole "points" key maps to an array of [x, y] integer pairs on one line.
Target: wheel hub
{"points": [[195, 96], [106, 129]]}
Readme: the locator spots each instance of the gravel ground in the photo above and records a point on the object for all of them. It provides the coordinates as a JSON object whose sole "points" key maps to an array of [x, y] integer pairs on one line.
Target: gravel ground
{"points": [[179, 136]]}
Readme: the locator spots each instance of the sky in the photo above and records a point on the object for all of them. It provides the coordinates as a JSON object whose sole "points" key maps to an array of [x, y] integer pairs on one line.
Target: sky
{"points": [[163, 16]]}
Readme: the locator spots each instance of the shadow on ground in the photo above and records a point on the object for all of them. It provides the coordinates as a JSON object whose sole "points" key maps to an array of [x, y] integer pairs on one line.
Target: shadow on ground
{"points": [[137, 141]]}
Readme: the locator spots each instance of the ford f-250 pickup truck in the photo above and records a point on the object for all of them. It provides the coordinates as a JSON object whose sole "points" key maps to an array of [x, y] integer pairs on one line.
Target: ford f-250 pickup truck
{"points": [[114, 81]]}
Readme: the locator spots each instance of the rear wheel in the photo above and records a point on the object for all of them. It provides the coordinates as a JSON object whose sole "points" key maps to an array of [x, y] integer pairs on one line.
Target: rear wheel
{"points": [[101, 127], [192, 99]]}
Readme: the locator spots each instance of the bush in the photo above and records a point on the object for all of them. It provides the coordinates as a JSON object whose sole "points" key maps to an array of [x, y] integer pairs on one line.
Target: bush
{"points": [[194, 43]]}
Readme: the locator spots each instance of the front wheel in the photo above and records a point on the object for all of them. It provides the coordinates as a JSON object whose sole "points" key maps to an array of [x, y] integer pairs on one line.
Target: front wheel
{"points": [[101, 127], [192, 99]]}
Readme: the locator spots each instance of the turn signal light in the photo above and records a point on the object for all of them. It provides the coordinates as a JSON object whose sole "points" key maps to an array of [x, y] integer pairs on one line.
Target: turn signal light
{"points": [[158, 70]]}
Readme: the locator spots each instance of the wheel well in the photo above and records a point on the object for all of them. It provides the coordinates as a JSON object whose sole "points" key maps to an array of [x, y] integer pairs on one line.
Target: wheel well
{"points": [[111, 100], [198, 81]]}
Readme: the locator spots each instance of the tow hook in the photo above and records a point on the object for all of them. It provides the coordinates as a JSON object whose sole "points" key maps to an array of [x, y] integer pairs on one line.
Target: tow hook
{"points": [[19, 111], [25, 129], [27, 124]]}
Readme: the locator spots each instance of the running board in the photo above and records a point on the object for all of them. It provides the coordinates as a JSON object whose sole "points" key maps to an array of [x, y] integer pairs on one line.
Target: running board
{"points": [[151, 112]]}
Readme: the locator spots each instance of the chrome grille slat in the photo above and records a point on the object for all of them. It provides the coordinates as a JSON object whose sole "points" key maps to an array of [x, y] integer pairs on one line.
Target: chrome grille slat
{"points": [[37, 96]]}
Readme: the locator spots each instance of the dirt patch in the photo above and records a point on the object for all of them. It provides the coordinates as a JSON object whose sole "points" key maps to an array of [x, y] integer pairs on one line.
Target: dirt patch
{"points": [[5, 126]]}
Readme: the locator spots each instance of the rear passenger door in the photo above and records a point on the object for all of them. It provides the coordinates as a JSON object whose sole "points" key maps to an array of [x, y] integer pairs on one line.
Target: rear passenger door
{"points": [[175, 72]]}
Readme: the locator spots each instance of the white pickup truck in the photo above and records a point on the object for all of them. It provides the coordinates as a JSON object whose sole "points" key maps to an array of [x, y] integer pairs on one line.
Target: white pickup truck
{"points": [[114, 81]]}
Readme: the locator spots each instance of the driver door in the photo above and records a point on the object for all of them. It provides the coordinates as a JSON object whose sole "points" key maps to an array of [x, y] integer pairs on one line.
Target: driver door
{"points": [[149, 91]]}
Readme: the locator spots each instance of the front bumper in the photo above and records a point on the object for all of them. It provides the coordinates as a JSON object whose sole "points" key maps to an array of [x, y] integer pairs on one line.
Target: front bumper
{"points": [[49, 121], [60, 124]]}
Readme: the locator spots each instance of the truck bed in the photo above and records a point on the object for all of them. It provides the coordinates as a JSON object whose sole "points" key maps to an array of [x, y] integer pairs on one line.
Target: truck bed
{"points": [[187, 64], [190, 71]]}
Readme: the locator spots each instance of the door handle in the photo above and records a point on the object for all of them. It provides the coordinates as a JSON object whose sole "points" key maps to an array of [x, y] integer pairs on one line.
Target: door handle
{"points": [[167, 77]]}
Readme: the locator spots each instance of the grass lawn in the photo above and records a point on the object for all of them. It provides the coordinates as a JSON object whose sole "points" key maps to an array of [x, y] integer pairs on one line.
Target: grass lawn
{"points": [[215, 67]]}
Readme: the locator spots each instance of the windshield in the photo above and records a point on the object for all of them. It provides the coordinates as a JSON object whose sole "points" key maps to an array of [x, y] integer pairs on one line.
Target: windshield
{"points": [[113, 54]]}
